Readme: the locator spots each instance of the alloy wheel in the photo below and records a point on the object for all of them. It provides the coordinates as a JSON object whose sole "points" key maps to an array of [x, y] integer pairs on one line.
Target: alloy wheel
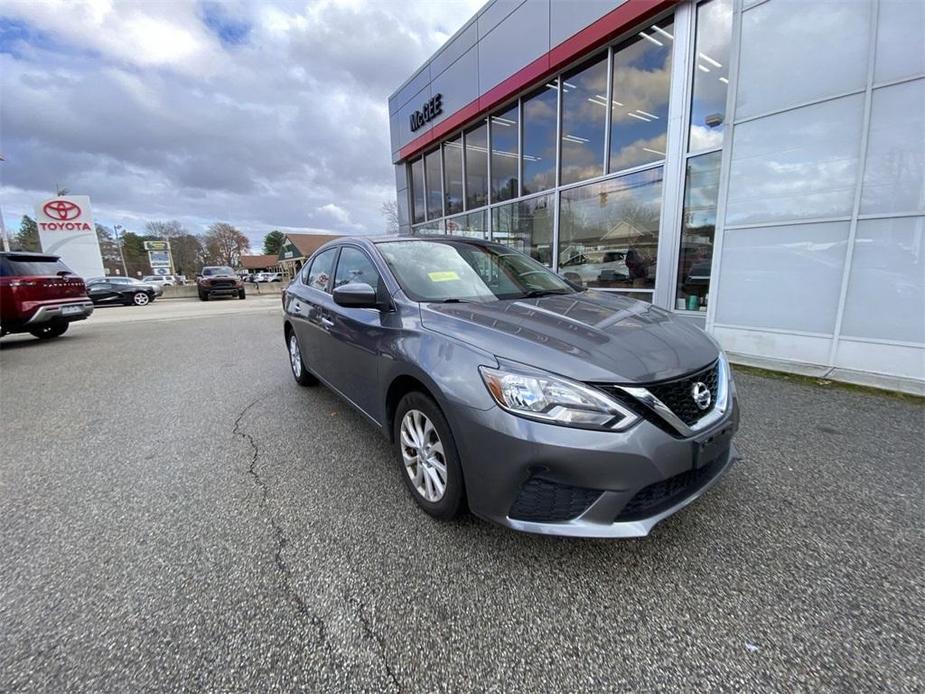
{"points": [[295, 356], [423, 455], [141, 299]]}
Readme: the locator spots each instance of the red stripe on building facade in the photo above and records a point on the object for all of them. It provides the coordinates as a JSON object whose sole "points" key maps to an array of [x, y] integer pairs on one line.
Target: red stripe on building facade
{"points": [[591, 37]]}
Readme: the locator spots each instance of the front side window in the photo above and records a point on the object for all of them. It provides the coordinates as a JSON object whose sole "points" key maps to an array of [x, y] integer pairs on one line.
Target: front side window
{"points": [[477, 167], [698, 227], [319, 276], [639, 108], [504, 154], [459, 271], [539, 138], [434, 185], [711, 74], [584, 113], [526, 226], [417, 190], [608, 232], [355, 266]]}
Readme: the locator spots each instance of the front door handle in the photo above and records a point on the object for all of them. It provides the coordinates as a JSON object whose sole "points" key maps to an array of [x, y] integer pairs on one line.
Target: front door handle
{"points": [[327, 322]]}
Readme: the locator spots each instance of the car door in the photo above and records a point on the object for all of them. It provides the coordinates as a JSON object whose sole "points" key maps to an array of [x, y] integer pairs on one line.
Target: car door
{"points": [[309, 303], [356, 334], [101, 292]]}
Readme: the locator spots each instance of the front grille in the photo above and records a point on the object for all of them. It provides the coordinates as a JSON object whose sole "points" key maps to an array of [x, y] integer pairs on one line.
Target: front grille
{"points": [[677, 394], [222, 284], [663, 495], [543, 501]]}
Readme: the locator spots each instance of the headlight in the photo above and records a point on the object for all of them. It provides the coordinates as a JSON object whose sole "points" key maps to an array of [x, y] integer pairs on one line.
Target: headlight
{"points": [[555, 400]]}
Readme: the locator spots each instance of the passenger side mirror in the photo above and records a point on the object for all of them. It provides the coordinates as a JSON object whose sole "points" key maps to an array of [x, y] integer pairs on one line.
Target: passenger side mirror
{"points": [[356, 295]]}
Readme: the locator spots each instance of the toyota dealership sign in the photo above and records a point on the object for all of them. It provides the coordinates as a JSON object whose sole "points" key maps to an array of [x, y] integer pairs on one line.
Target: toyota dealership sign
{"points": [[66, 228]]}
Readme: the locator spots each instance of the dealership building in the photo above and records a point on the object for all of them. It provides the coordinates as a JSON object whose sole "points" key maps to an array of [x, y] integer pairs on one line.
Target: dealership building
{"points": [[754, 166]]}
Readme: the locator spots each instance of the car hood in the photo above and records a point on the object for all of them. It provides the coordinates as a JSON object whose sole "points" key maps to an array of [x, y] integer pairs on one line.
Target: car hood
{"points": [[587, 336]]}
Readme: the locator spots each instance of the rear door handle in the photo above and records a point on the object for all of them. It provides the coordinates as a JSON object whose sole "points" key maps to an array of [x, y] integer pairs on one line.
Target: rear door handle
{"points": [[327, 322]]}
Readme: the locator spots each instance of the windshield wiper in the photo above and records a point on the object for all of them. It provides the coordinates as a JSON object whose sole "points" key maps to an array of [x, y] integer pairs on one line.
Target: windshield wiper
{"points": [[536, 293]]}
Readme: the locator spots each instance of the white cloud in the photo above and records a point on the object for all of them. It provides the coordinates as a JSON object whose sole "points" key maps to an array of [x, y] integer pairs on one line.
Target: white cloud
{"points": [[156, 115]]}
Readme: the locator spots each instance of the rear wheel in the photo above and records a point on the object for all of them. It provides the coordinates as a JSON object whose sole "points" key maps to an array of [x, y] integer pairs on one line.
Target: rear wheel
{"points": [[47, 332], [427, 454], [299, 372], [141, 299]]}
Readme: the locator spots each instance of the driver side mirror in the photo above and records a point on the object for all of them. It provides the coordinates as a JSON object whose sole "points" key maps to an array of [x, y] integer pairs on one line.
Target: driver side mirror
{"points": [[356, 295]]}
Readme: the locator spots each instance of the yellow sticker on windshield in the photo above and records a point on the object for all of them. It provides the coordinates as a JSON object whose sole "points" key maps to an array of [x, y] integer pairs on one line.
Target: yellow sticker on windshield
{"points": [[443, 276]]}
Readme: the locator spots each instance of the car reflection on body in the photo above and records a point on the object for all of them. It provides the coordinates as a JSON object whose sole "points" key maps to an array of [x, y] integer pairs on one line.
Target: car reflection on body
{"points": [[543, 406]]}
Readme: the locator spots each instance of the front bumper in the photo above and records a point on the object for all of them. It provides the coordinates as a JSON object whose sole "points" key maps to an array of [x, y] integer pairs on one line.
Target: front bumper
{"points": [[79, 310], [222, 291], [584, 483]]}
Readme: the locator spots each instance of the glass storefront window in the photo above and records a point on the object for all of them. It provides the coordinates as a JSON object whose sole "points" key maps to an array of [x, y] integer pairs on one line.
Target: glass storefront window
{"points": [[453, 175], [504, 155], [641, 83], [472, 224], [417, 190], [434, 185], [711, 74], [477, 167], [698, 226], [608, 231], [583, 119], [429, 229], [539, 139], [526, 226]]}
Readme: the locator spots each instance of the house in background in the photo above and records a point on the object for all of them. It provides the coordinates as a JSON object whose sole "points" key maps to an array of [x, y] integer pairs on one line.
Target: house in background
{"points": [[297, 248], [259, 263]]}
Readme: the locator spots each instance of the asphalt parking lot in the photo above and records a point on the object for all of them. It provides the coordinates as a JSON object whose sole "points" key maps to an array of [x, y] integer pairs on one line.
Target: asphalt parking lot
{"points": [[179, 515]]}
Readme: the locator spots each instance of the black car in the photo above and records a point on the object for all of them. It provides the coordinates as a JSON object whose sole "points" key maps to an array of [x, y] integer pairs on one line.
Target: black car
{"points": [[121, 290]]}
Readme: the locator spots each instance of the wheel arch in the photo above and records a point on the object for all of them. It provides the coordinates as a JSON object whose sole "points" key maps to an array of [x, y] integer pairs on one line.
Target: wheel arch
{"points": [[400, 386]]}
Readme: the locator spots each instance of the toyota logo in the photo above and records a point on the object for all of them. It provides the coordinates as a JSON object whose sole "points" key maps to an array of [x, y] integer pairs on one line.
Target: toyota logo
{"points": [[701, 394], [61, 210]]}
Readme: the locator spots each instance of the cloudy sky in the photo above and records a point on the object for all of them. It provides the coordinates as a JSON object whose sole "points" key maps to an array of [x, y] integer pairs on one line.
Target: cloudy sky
{"points": [[263, 113]]}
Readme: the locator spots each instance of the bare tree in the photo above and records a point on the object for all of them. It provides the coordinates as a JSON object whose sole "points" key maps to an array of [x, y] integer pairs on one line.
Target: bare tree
{"points": [[389, 210], [165, 230], [224, 244]]}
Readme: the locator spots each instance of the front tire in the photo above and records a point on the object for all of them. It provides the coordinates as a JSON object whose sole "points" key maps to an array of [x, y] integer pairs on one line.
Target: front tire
{"points": [[427, 456], [141, 299], [49, 331], [203, 296], [299, 372], [241, 294]]}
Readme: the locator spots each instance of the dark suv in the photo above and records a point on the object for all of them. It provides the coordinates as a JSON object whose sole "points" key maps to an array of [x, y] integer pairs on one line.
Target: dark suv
{"points": [[219, 280], [40, 295]]}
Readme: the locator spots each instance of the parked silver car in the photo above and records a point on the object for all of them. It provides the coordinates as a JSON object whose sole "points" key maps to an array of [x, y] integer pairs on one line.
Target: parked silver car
{"points": [[546, 407]]}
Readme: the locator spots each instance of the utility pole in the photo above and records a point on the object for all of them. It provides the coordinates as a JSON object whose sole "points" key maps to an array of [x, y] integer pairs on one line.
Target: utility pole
{"points": [[6, 239], [115, 230]]}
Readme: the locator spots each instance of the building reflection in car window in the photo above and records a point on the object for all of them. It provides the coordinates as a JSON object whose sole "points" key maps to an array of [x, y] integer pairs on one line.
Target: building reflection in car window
{"points": [[319, 276]]}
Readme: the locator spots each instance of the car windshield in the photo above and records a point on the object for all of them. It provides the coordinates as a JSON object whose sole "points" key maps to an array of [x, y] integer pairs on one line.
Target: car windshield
{"points": [[207, 271], [449, 270]]}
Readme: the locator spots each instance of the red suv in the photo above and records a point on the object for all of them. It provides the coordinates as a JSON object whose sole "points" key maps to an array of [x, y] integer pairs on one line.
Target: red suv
{"points": [[39, 294]]}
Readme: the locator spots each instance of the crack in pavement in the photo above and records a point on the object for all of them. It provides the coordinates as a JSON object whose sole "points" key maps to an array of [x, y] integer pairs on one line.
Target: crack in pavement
{"points": [[368, 631], [280, 536], [285, 571]]}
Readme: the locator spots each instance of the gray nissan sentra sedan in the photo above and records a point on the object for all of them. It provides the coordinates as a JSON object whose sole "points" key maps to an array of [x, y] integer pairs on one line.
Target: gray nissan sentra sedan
{"points": [[545, 407]]}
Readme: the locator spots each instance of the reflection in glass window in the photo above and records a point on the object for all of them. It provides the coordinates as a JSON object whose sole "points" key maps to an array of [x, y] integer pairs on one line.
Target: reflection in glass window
{"points": [[434, 184], [429, 229], [453, 175], [701, 189], [711, 74], [355, 266], [477, 167], [504, 155], [639, 112], [319, 276], [417, 190], [539, 139], [583, 119], [608, 231], [472, 224], [526, 226]]}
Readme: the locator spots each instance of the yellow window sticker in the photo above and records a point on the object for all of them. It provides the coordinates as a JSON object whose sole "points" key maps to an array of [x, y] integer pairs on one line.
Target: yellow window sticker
{"points": [[443, 276]]}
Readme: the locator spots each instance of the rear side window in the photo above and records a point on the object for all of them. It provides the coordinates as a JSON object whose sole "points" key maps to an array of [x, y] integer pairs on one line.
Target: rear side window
{"points": [[34, 265], [319, 276], [355, 266]]}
